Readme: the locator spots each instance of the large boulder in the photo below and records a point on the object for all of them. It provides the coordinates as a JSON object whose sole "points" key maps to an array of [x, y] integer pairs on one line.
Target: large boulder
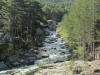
{"points": [[3, 66], [44, 54], [46, 31], [77, 69], [52, 25]]}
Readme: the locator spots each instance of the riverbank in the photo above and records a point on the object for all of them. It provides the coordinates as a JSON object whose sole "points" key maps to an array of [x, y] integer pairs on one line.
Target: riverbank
{"points": [[62, 68], [53, 50]]}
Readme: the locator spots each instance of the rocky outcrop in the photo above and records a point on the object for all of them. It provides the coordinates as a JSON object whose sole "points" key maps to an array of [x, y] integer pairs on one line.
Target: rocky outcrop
{"points": [[3, 66], [21, 57], [6, 45], [44, 54], [52, 25], [46, 31], [86, 67]]}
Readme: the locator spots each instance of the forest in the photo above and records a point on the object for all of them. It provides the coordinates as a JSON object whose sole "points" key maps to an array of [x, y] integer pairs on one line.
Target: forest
{"points": [[80, 22], [55, 9], [50, 37], [21, 18], [81, 28]]}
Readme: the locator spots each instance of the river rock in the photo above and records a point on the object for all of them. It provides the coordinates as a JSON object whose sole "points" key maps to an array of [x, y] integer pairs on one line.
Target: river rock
{"points": [[36, 51], [77, 69], [53, 39], [13, 58], [80, 66], [31, 58], [3, 66], [38, 56], [63, 50], [62, 47], [46, 31], [58, 35], [15, 64], [52, 25], [49, 41], [44, 54], [31, 62], [22, 61], [62, 53], [86, 73]]}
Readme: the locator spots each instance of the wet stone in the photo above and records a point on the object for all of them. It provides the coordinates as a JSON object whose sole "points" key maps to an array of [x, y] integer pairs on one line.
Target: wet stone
{"points": [[3, 66]]}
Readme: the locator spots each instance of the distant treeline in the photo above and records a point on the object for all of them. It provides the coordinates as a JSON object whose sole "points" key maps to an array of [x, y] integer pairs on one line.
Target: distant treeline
{"points": [[55, 9]]}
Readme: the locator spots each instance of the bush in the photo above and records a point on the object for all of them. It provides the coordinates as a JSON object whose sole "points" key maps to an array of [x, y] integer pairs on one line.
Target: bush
{"points": [[77, 53]]}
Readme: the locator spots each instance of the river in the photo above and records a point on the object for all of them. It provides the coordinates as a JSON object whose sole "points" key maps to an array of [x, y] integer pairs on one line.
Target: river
{"points": [[56, 49]]}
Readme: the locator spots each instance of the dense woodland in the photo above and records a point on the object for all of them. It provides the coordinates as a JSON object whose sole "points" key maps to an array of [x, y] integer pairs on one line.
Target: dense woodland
{"points": [[81, 28], [21, 18], [80, 21], [55, 9]]}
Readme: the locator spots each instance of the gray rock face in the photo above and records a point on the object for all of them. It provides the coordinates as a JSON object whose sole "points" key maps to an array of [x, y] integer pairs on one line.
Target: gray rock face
{"points": [[77, 69], [3, 66], [22, 57], [52, 25], [46, 31], [8, 40]]}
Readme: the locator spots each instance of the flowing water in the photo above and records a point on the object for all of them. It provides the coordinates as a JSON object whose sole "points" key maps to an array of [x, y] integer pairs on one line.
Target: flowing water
{"points": [[55, 50]]}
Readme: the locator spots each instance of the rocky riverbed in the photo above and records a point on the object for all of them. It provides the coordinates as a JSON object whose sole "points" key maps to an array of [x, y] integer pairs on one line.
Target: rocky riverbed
{"points": [[47, 60], [54, 50]]}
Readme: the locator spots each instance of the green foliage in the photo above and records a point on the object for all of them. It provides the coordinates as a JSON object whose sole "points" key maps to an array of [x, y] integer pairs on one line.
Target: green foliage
{"points": [[21, 17], [77, 53], [72, 63], [78, 27], [55, 9]]}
